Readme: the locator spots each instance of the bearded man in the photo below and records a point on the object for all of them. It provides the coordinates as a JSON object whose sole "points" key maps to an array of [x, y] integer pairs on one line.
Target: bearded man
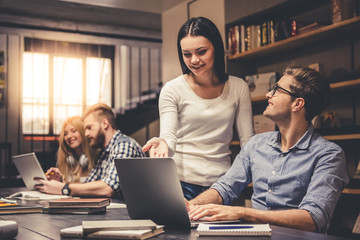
{"points": [[100, 129]]}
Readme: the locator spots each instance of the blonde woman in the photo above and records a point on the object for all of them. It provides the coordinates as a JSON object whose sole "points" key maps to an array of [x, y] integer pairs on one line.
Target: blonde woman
{"points": [[75, 157]]}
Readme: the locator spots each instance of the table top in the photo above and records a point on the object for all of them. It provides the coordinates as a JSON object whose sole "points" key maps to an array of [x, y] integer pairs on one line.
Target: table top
{"points": [[47, 226]]}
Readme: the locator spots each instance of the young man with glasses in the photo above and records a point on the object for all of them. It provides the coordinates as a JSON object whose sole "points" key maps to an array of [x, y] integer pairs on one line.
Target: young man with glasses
{"points": [[297, 175]]}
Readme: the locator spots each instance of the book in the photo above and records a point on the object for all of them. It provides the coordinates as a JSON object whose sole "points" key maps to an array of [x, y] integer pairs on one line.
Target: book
{"points": [[356, 228], [233, 230], [76, 210], [79, 202], [36, 195], [21, 208], [357, 172], [77, 232], [93, 226], [8, 229], [342, 10]]}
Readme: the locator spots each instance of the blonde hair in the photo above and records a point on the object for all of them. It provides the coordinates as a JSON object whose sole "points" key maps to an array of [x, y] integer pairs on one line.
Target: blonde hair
{"points": [[100, 111], [65, 151]]}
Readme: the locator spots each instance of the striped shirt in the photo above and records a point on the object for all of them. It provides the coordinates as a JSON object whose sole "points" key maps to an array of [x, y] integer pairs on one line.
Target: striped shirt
{"points": [[120, 146]]}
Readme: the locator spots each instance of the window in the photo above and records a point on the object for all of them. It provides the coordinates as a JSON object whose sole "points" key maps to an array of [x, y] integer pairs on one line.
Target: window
{"points": [[60, 80]]}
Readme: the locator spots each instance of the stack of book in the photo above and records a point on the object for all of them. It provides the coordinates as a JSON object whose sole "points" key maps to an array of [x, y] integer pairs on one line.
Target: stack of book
{"points": [[114, 229], [8, 206], [77, 206]]}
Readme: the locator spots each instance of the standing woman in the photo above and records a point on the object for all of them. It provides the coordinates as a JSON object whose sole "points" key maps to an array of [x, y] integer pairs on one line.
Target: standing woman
{"points": [[198, 110], [75, 158]]}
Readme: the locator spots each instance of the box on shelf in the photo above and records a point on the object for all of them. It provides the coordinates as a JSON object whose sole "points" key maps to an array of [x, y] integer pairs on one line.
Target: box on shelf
{"points": [[317, 66], [263, 124], [260, 84]]}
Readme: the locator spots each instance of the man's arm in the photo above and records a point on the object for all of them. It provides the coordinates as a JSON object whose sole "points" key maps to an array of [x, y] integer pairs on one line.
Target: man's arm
{"points": [[209, 196], [90, 189], [96, 189], [294, 218]]}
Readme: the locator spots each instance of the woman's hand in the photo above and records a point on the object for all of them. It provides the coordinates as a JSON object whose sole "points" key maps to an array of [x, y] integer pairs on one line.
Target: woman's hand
{"points": [[54, 174], [157, 147]]}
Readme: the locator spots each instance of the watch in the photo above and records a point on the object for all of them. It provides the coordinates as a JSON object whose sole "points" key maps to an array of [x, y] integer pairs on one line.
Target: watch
{"points": [[66, 190]]}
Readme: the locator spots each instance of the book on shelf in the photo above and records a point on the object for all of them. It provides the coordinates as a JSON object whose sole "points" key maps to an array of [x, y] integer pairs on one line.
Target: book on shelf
{"points": [[308, 28], [357, 171], [242, 38], [260, 84], [93, 226], [77, 232], [75, 210], [79, 202], [342, 10], [356, 228], [233, 36], [8, 229], [233, 230]]}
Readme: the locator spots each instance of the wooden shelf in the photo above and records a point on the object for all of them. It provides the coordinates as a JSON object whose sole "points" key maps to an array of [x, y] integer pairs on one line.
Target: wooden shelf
{"points": [[318, 35], [345, 84], [258, 99], [342, 137], [351, 191], [235, 143], [335, 86]]}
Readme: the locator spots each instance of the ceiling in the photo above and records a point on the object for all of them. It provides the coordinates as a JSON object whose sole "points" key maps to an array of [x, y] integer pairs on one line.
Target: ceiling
{"points": [[137, 14], [154, 6]]}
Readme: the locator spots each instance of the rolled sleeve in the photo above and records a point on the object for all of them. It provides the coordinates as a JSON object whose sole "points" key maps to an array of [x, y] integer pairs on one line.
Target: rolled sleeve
{"points": [[235, 180], [329, 178]]}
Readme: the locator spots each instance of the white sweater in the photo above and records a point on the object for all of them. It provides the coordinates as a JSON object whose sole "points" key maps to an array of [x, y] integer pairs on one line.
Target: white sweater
{"points": [[198, 131]]}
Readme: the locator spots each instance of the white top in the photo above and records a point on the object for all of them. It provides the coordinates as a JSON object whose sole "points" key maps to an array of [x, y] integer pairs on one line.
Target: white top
{"points": [[199, 131]]}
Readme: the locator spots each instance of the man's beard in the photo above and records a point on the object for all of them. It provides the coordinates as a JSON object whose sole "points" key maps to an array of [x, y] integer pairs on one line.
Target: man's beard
{"points": [[99, 140]]}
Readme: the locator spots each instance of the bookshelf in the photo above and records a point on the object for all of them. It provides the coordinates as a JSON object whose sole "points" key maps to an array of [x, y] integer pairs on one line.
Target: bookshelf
{"points": [[314, 36], [336, 46]]}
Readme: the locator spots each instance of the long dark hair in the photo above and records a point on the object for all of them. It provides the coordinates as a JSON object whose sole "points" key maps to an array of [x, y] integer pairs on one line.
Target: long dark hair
{"points": [[201, 26]]}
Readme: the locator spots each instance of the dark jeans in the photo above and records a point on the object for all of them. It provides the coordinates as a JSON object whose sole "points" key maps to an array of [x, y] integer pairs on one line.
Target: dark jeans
{"points": [[191, 190]]}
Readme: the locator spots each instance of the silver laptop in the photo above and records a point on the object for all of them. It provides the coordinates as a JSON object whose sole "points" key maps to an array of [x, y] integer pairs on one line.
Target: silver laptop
{"points": [[29, 168], [152, 190]]}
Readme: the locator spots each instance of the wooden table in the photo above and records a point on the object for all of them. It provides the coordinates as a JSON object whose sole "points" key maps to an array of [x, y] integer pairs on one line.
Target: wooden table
{"points": [[40, 226]]}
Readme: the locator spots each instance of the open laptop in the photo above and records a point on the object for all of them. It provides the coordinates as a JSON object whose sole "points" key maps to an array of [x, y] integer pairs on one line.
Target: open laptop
{"points": [[152, 190], [29, 167]]}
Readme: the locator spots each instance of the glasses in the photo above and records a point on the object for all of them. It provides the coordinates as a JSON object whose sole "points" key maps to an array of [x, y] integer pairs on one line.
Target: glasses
{"points": [[277, 87]]}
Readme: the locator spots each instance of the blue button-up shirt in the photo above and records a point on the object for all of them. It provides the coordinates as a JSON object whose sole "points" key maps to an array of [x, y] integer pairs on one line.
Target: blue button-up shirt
{"points": [[120, 146], [310, 175]]}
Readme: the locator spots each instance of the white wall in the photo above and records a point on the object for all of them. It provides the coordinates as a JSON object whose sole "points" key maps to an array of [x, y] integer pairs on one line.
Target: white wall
{"points": [[174, 18]]}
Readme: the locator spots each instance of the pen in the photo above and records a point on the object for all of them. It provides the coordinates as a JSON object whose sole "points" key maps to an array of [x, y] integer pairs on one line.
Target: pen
{"points": [[229, 227], [7, 200], [50, 173]]}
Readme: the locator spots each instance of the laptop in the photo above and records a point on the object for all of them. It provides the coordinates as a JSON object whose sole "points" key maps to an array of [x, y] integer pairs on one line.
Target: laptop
{"points": [[152, 190], [29, 167]]}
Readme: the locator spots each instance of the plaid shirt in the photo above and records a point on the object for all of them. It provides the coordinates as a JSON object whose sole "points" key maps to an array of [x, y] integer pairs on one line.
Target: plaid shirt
{"points": [[120, 146]]}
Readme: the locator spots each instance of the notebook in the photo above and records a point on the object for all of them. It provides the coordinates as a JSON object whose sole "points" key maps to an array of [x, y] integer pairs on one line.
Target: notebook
{"points": [[205, 229], [152, 190], [78, 232], [29, 167]]}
